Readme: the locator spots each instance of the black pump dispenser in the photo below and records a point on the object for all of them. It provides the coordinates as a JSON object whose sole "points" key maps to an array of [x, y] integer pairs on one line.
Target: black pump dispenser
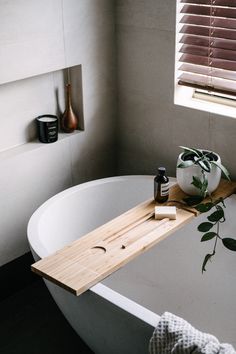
{"points": [[161, 186]]}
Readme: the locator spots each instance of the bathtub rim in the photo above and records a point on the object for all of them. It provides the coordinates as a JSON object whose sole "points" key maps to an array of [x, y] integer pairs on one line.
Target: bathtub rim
{"points": [[100, 289], [32, 227]]}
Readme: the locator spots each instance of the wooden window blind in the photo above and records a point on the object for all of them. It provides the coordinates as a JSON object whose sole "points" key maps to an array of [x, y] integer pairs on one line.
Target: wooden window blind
{"points": [[207, 59]]}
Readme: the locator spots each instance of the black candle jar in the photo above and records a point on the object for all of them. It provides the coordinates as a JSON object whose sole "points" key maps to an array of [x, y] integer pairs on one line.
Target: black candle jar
{"points": [[47, 127]]}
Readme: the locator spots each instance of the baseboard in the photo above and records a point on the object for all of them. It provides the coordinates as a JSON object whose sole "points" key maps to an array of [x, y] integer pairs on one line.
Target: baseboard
{"points": [[16, 275]]}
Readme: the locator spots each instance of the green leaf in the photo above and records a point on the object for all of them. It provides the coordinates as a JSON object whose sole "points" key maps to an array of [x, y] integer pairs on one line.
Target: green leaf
{"points": [[197, 182], [193, 200], [205, 183], [220, 200], [203, 208], [216, 216], [205, 165], [204, 187], [208, 236], [205, 226], [192, 150], [185, 164], [187, 154], [206, 259], [207, 154], [223, 169], [229, 243]]}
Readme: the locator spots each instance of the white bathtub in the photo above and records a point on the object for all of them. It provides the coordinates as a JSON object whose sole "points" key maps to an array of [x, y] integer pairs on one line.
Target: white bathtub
{"points": [[119, 314]]}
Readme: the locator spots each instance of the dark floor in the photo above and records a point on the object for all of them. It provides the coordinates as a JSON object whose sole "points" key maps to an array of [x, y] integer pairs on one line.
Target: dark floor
{"points": [[31, 323]]}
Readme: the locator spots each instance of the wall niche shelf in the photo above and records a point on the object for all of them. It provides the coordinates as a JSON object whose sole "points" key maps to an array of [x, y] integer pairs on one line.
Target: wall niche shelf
{"points": [[24, 100], [33, 145]]}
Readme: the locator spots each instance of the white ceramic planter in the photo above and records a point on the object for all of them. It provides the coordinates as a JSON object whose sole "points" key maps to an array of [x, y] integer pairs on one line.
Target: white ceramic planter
{"points": [[185, 176]]}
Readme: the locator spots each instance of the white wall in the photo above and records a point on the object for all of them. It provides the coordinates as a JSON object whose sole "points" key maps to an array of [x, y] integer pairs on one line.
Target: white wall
{"points": [[37, 37], [150, 126]]}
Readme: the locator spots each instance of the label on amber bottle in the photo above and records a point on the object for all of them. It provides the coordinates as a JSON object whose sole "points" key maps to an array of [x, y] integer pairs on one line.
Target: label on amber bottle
{"points": [[164, 190]]}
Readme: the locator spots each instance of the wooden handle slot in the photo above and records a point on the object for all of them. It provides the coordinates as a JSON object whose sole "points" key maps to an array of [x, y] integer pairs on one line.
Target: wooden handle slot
{"points": [[101, 249]]}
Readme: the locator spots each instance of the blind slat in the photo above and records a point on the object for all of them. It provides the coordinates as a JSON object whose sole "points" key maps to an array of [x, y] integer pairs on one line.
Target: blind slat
{"points": [[204, 70], [205, 52], [209, 10], [216, 84], [206, 21], [216, 63], [230, 3], [204, 31], [204, 41], [208, 45]]}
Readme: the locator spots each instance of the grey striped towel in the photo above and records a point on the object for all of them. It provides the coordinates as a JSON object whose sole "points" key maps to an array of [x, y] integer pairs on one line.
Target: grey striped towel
{"points": [[173, 335]]}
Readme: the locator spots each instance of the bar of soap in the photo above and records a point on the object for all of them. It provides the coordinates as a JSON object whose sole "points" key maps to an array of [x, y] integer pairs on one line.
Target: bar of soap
{"points": [[162, 212]]}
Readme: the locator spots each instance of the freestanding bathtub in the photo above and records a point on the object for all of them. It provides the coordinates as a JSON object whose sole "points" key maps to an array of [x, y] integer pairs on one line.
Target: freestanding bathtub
{"points": [[118, 315]]}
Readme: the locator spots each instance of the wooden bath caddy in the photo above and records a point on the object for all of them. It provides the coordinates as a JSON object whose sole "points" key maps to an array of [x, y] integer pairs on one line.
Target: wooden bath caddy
{"points": [[96, 255]]}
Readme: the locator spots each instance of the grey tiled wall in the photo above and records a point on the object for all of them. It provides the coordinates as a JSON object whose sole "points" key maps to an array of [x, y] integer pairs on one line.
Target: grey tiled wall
{"points": [[37, 37], [151, 127]]}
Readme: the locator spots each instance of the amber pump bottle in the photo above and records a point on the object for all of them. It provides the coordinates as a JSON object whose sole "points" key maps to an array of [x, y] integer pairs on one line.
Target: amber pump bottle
{"points": [[161, 186]]}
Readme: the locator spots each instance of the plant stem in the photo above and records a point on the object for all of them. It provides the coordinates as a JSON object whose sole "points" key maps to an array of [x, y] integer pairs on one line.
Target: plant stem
{"points": [[218, 230], [216, 239]]}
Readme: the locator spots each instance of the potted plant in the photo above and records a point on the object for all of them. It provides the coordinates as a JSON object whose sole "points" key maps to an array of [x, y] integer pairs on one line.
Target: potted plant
{"points": [[204, 165], [198, 175]]}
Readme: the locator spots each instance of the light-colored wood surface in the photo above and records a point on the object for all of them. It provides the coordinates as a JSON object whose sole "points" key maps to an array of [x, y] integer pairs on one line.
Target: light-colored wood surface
{"points": [[96, 255]]}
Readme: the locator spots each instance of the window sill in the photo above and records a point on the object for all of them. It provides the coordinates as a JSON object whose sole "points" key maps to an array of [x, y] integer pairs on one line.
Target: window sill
{"points": [[184, 97]]}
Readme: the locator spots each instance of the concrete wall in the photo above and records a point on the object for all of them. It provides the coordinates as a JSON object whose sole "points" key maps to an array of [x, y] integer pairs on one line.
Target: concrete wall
{"points": [[37, 39], [151, 127]]}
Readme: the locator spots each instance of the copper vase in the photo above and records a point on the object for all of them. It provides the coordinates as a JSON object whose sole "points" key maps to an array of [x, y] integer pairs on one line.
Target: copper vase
{"points": [[69, 120]]}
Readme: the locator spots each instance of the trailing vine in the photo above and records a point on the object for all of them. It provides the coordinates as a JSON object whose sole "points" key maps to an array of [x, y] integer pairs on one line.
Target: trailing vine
{"points": [[211, 227]]}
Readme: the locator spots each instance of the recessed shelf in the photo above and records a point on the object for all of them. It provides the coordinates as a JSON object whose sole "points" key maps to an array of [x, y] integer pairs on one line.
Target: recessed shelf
{"points": [[33, 145], [24, 100]]}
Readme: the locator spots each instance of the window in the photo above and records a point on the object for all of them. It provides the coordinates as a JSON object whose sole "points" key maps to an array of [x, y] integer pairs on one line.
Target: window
{"points": [[206, 55]]}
